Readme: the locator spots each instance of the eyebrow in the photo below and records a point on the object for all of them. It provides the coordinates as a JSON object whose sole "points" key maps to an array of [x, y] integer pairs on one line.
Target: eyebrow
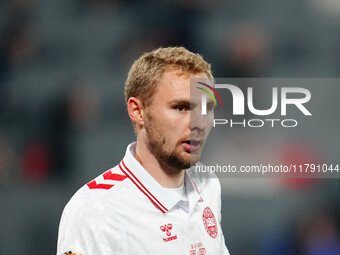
{"points": [[210, 104], [179, 101]]}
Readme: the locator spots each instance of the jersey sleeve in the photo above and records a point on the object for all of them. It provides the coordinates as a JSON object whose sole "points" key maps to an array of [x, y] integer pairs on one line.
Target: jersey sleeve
{"points": [[86, 228], [224, 249]]}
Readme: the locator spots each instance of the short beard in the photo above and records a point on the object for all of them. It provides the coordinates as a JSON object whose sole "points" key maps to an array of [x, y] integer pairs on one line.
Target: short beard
{"points": [[171, 162]]}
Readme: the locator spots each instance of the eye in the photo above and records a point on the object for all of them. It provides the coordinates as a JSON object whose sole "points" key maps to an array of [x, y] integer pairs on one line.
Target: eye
{"points": [[181, 108], [210, 107]]}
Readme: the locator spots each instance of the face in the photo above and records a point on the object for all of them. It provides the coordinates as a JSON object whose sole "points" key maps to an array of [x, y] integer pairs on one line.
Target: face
{"points": [[175, 130]]}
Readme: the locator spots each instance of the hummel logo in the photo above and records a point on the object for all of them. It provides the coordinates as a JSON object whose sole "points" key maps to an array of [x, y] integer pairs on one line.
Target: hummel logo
{"points": [[166, 228]]}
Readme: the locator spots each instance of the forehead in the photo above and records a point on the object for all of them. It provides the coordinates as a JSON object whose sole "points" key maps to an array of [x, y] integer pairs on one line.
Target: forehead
{"points": [[176, 84]]}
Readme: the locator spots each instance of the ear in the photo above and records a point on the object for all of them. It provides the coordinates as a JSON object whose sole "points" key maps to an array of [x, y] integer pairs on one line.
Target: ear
{"points": [[136, 110]]}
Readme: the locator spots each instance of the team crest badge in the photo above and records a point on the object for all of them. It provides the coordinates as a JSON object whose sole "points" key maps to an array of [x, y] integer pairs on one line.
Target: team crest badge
{"points": [[209, 222], [70, 253]]}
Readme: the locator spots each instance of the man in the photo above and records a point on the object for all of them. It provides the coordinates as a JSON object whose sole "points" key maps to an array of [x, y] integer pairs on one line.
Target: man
{"points": [[153, 202]]}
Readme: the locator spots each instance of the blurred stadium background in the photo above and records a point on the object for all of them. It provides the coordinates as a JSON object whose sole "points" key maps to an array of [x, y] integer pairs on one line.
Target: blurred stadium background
{"points": [[63, 119]]}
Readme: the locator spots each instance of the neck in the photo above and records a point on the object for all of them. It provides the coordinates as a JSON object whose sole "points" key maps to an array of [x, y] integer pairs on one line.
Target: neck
{"points": [[153, 167]]}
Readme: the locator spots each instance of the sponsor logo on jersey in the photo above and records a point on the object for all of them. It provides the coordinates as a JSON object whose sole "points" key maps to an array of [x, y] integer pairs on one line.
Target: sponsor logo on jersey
{"points": [[166, 228], [209, 222]]}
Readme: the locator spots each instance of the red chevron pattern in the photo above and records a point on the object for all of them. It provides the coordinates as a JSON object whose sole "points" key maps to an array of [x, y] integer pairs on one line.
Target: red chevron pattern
{"points": [[115, 177], [107, 176], [94, 185]]}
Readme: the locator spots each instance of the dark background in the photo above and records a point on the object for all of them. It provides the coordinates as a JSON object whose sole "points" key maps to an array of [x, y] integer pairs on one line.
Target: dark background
{"points": [[63, 119]]}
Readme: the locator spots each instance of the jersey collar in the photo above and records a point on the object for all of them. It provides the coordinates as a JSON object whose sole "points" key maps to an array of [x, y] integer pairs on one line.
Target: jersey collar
{"points": [[151, 188]]}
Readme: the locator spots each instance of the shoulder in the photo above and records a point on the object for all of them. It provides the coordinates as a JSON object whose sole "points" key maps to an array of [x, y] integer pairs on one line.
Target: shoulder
{"points": [[106, 190], [90, 222]]}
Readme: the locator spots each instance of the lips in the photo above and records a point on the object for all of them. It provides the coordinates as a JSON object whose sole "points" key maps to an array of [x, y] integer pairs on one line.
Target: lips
{"points": [[192, 145]]}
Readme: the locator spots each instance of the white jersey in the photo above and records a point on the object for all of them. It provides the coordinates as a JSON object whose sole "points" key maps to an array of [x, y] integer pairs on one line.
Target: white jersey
{"points": [[126, 211]]}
